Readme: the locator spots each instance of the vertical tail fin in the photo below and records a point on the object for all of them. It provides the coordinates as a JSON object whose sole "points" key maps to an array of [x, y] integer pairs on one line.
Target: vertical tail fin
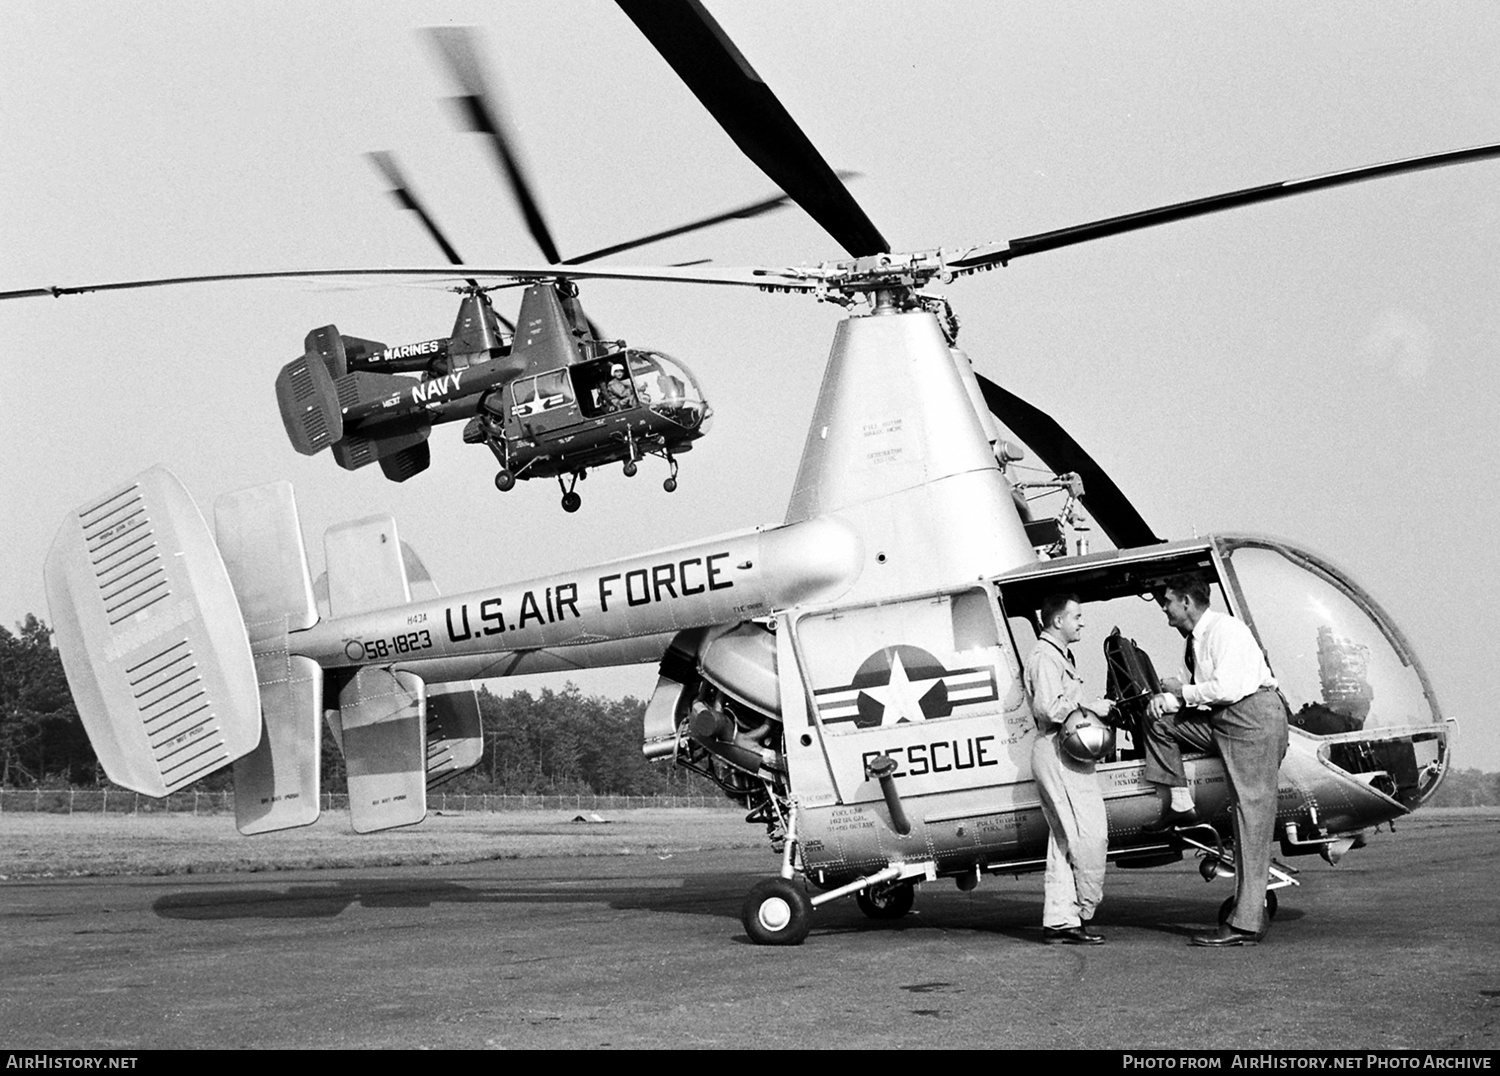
{"points": [[156, 652], [260, 540]]}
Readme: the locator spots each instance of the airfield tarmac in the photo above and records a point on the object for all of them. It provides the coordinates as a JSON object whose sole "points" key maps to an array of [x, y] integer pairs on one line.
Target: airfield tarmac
{"points": [[1396, 948]]}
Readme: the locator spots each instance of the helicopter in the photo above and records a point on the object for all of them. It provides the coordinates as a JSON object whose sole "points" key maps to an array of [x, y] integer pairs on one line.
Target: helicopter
{"points": [[849, 676], [537, 400]]}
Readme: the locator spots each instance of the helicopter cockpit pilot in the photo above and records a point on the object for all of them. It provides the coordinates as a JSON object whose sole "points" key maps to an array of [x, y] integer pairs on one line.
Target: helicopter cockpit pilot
{"points": [[618, 393], [1072, 802], [1230, 705]]}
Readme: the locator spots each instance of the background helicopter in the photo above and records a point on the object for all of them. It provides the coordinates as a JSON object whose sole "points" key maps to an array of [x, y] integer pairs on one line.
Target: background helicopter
{"points": [[539, 400], [845, 517]]}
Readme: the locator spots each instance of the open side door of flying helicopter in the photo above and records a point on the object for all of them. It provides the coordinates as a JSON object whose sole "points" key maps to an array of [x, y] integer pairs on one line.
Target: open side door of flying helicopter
{"points": [[851, 677]]}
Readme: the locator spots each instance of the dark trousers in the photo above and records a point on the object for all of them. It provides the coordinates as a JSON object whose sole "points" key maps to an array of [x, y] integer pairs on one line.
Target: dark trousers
{"points": [[1251, 737]]}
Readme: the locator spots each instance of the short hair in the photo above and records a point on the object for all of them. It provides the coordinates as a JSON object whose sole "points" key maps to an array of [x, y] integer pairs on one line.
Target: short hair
{"points": [[1193, 587], [1053, 605]]}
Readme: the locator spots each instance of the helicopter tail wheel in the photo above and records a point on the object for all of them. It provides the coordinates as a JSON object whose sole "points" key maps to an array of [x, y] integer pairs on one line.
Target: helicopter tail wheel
{"points": [[777, 912], [505, 481], [1227, 908], [890, 901]]}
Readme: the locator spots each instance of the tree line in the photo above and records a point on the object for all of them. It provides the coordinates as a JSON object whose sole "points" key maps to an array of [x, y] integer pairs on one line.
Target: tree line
{"points": [[553, 743]]}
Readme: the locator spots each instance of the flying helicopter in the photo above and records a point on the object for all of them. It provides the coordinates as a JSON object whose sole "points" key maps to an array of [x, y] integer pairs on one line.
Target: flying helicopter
{"points": [[882, 619], [539, 398]]}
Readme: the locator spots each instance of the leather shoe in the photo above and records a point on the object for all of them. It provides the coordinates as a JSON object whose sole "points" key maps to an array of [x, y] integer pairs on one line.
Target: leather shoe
{"points": [[1071, 936], [1227, 936], [1171, 820]]}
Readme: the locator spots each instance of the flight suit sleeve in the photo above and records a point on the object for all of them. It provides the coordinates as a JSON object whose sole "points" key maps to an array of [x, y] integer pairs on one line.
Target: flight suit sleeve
{"points": [[1052, 686]]}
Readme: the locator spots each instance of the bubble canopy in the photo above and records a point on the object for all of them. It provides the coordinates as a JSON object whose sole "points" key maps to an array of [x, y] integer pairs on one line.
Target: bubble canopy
{"points": [[1339, 659]]}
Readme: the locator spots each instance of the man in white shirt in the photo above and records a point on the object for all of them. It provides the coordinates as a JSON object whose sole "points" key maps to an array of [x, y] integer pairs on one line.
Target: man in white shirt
{"points": [[1072, 803], [1229, 705]]}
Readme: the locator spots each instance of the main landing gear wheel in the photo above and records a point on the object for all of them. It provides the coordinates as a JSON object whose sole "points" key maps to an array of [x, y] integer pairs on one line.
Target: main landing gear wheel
{"points": [[505, 481], [571, 501], [1227, 908], [670, 485], [777, 912], [887, 901], [630, 468]]}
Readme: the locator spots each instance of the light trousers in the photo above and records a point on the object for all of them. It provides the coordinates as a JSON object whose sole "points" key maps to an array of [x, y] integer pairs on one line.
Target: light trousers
{"points": [[1078, 834]]}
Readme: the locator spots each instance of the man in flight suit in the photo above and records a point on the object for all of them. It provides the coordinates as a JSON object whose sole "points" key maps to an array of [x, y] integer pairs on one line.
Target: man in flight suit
{"points": [[618, 395], [1232, 707], [1078, 830]]}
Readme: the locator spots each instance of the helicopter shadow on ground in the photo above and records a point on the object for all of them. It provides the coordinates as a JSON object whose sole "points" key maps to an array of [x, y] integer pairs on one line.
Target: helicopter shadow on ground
{"points": [[703, 895], [716, 895]]}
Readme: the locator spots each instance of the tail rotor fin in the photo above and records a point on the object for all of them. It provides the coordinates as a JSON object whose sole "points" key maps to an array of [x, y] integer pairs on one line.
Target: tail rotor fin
{"points": [[149, 628], [277, 785], [309, 404], [370, 568]]}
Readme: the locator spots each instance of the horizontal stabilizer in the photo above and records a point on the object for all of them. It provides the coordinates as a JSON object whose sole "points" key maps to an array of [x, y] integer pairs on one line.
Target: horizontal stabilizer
{"points": [[151, 637], [382, 715]]}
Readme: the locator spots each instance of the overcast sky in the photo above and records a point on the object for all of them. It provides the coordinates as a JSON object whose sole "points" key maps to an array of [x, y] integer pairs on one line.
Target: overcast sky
{"points": [[1320, 369]]}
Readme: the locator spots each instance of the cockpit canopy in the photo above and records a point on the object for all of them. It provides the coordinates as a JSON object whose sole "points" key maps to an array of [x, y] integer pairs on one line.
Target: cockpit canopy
{"points": [[667, 387]]}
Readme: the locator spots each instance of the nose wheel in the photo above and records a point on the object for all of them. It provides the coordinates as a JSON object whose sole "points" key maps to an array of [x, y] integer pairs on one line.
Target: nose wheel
{"points": [[570, 499], [777, 912], [670, 485]]}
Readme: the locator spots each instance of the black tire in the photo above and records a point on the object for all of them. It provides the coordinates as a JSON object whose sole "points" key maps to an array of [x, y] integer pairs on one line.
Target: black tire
{"points": [[1227, 908], [505, 481], [670, 485], [887, 901], [630, 468], [571, 501], [777, 912]]}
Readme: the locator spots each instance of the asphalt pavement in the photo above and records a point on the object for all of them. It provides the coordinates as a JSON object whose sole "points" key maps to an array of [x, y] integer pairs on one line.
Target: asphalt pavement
{"points": [[1395, 948]]}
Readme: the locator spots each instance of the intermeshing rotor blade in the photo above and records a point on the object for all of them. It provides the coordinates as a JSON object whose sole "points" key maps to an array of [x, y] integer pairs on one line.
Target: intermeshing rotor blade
{"points": [[763, 279], [1129, 222], [705, 59], [744, 212], [1115, 515], [402, 191], [462, 56]]}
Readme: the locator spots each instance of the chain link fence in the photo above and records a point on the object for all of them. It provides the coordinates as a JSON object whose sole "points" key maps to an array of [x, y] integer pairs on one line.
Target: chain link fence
{"points": [[118, 801]]}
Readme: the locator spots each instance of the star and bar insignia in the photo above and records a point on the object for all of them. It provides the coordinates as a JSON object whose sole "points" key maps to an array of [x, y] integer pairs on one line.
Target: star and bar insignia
{"points": [[901, 684]]}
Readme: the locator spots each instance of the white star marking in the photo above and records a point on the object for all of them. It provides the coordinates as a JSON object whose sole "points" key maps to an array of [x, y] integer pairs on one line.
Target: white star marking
{"points": [[902, 698]]}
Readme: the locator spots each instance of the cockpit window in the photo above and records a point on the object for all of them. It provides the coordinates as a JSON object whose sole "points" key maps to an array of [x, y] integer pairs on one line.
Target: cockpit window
{"points": [[1339, 669], [662, 381]]}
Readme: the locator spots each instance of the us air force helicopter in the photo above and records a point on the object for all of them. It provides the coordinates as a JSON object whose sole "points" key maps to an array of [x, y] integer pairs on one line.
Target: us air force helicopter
{"points": [[850, 676]]}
